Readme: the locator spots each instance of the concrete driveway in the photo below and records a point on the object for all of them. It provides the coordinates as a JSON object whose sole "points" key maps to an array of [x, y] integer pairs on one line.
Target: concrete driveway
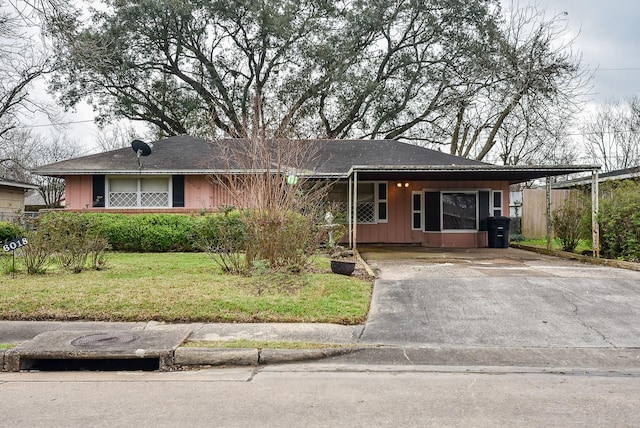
{"points": [[500, 298]]}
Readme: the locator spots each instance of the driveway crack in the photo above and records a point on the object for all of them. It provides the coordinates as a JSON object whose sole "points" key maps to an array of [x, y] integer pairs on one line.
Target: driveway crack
{"points": [[404, 352], [575, 311]]}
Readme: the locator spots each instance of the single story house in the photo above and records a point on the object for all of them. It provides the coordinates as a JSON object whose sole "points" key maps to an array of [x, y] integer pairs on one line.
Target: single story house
{"points": [[12, 197], [394, 192]]}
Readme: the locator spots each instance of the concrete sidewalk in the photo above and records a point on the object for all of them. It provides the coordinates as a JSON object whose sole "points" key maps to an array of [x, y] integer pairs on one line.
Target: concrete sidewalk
{"points": [[547, 359], [21, 331], [39, 340]]}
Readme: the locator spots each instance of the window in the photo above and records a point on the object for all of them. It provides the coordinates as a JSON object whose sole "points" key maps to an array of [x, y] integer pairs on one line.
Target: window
{"points": [[381, 199], [416, 210], [372, 200], [496, 211], [138, 192], [459, 210], [366, 203]]}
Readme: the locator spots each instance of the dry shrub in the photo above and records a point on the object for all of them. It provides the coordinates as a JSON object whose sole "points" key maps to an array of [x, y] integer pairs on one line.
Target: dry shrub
{"points": [[281, 205]]}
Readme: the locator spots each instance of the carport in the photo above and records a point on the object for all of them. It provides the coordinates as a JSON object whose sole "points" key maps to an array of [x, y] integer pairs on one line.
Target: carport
{"points": [[460, 177]]}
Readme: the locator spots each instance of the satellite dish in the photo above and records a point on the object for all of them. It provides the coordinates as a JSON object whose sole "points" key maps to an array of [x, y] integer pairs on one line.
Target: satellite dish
{"points": [[141, 148]]}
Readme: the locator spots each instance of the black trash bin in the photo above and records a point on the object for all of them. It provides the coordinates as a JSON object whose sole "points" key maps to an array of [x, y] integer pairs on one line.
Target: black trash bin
{"points": [[498, 232]]}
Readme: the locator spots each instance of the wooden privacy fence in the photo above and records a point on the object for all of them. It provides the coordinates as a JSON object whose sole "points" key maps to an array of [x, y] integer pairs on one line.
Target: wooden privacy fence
{"points": [[534, 210]]}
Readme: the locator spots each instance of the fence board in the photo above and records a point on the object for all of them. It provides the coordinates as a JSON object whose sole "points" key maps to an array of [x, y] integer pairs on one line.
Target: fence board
{"points": [[534, 207]]}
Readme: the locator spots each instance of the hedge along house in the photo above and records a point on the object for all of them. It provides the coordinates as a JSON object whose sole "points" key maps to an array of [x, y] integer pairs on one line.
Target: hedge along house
{"points": [[392, 192]]}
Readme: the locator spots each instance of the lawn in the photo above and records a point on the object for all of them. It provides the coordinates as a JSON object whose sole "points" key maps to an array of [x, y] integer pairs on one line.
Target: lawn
{"points": [[182, 287], [583, 245]]}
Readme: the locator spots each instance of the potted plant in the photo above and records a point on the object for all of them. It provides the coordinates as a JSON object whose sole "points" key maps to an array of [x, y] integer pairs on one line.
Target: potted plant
{"points": [[342, 261]]}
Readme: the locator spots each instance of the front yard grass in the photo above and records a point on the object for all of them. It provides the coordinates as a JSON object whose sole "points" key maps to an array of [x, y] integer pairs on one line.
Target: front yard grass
{"points": [[182, 287], [583, 245]]}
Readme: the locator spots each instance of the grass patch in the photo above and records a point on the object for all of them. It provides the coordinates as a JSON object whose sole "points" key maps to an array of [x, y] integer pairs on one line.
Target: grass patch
{"points": [[183, 287], [7, 345], [262, 344], [584, 245]]}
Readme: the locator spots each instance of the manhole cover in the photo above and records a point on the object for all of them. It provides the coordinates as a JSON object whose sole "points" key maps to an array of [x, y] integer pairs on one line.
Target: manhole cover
{"points": [[103, 339]]}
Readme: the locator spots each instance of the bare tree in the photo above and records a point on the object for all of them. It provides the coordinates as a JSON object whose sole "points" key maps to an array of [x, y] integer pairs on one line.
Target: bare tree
{"points": [[612, 134], [22, 61], [22, 150], [527, 138], [115, 136], [528, 86]]}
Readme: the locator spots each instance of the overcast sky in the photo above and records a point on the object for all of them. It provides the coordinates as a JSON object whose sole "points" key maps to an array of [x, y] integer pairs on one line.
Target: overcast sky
{"points": [[607, 34]]}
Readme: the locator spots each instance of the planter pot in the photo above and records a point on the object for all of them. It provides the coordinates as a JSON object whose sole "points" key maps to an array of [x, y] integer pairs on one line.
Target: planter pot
{"points": [[343, 267]]}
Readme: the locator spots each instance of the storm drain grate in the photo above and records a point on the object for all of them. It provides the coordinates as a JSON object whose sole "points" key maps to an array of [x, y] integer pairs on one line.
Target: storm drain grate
{"points": [[104, 339], [97, 364], [97, 350]]}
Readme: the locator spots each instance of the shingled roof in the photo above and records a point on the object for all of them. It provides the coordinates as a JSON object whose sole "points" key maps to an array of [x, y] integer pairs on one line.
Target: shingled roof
{"points": [[185, 154], [335, 158]]}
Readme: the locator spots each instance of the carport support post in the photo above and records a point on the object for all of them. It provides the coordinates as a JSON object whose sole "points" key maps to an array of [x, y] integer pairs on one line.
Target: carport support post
{"points": [[595, 200], [549, 225], [355, 211], [349, 210]]}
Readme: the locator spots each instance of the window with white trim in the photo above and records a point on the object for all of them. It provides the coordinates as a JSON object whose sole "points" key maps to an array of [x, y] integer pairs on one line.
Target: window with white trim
{"points": [[139, 192], [459, 210], [496, 200]]}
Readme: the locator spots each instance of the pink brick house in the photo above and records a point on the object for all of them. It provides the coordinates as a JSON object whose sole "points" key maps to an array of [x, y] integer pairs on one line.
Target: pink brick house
{"points": [[394, 193]]}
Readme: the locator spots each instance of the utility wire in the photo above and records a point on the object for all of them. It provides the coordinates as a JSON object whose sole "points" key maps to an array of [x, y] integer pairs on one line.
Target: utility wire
{"points": [[54, 124]]}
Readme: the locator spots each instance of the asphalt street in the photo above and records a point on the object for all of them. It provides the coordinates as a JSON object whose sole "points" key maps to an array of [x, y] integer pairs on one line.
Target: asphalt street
{"points": [[318, 395]]}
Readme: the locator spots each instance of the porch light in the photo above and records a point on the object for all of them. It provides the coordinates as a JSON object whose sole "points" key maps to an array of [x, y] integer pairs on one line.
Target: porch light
{"points": [[292, 179], [399, 184], [406, 184]]}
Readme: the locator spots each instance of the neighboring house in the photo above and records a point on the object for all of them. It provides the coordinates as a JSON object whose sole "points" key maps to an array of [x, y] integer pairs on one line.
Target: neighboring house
{"points": [[12, 195], [34, 202], [399, 193], [632, 173]]}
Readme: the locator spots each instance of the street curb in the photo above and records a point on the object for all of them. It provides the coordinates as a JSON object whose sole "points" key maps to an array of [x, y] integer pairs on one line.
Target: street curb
{"points": [[185, 356], [365, 265], [216, 356], [573, 256], [278, 356]]}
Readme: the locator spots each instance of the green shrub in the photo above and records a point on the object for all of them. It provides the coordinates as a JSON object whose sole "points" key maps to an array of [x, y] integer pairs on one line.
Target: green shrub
{"points": [[37, 255], [147, 232], [74, 238], [567, 223], [224, 237], [241, 240], [285, 239], [9, 231], [619, 220]]}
